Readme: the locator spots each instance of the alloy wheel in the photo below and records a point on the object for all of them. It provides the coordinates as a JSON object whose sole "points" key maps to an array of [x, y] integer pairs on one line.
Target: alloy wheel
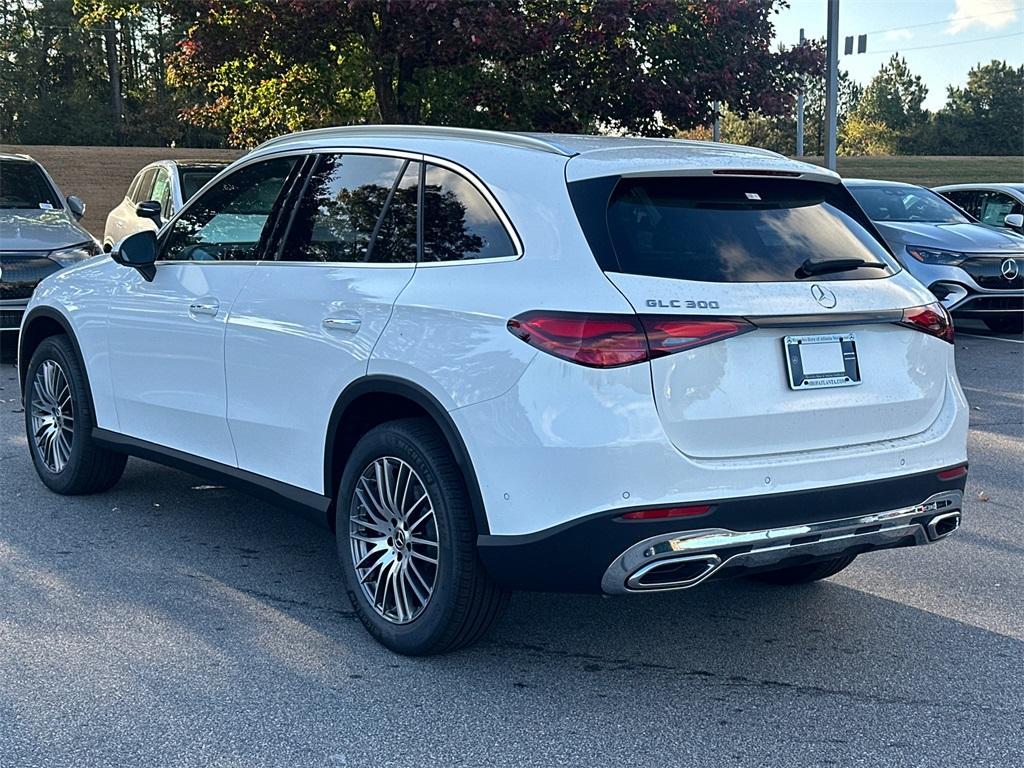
{"points": [[53, 415], [394, 539]]}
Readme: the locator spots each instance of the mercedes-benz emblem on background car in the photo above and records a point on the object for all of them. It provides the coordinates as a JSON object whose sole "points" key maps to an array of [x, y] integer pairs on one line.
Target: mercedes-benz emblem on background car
{"points": [[1009, 269], [825, 297]]}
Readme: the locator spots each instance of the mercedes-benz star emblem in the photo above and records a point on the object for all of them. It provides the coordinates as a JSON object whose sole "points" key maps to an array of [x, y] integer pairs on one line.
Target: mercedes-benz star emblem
{"points": [[1009, 269], [823, 296]]}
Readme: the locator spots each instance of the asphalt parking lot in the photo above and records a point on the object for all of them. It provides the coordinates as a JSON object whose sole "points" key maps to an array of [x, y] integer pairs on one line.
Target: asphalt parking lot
{"points": [[171, 623]]}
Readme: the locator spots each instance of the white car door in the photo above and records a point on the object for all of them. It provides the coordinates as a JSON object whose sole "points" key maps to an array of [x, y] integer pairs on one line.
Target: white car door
{"points": [[166, 337], [305, 324]]}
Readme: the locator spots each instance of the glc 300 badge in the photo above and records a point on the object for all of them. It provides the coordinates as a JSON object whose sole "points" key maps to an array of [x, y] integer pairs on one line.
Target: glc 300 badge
{"points": [[1009, 269], [823, 296]]}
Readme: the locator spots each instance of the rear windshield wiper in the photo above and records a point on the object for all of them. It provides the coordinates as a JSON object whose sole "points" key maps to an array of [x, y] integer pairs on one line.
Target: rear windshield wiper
{"points": [[809, 268]]}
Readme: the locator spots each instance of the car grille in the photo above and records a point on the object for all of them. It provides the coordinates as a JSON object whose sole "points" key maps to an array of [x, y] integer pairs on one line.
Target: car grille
{"points": [[21, 271], [990, 304], [10, 319], [987, 271]]}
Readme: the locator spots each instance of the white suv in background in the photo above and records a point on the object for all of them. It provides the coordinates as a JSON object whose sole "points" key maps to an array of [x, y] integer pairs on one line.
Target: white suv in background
{"points": [[494, 361], [156, 193]]}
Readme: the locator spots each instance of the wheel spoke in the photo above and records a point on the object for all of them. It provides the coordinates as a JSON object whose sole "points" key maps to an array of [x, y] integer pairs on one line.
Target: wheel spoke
{"points": [[390, 534]]}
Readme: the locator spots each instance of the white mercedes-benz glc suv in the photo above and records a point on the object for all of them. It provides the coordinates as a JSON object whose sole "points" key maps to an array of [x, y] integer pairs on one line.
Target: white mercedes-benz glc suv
{"points": [[496, 361]]}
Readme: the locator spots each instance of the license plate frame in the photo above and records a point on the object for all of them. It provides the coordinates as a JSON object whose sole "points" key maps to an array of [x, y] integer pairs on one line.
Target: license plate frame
{"points": [[804, 376]]}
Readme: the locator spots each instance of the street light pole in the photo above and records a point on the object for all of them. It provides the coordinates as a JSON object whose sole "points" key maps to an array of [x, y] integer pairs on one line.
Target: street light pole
{"points": [[800, 112], [832, 94]]}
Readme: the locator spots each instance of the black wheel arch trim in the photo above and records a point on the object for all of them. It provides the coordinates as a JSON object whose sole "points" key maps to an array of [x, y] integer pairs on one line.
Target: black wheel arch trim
{"points": [[393, 385], [23, 360]]}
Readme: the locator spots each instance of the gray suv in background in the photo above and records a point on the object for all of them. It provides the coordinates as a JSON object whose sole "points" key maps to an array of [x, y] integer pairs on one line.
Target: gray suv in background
{"points": [[975, 270], [39, 234]]}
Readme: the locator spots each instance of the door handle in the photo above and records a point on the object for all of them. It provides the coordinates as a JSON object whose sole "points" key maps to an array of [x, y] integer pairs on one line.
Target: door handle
{"points": [[208, 307], [350, 324]]}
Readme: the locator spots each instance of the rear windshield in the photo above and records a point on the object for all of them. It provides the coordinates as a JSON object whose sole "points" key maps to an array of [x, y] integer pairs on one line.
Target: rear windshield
{"points": [[897, 203], [23, 185], [727, 230], [194, 179]]}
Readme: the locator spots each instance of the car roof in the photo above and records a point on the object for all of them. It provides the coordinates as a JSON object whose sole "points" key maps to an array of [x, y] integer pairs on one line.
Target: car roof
{"points": [[980, 185], [878, 183], [16, 156], [610, 151]]}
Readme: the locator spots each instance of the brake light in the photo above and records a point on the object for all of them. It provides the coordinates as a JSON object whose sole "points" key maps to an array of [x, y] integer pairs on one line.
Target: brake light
{"points": [[666, 513], [666, 335], [932, 319], [610, 341]]}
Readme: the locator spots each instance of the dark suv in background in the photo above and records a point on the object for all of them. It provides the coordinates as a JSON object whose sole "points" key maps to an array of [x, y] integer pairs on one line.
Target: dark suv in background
{"points": [[39, 234]]}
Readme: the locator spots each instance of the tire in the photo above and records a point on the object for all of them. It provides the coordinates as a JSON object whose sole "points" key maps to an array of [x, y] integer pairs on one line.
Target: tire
{"points": [[415, 609], [73, 464], [803, 574], [1006, 324]]}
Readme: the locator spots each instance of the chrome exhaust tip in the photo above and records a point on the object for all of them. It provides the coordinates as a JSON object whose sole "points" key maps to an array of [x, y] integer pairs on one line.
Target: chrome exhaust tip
{"points": [[941, 526], [674, 572]]}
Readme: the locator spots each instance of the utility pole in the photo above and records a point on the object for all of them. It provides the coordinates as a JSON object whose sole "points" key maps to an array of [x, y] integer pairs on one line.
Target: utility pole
{"points": [[716, 127], [832, 93], [800, 112]]}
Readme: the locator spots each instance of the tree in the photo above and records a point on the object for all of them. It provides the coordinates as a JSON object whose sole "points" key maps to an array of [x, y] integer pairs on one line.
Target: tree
{"points": [[635, 65], [986, 116], [894, 97]]}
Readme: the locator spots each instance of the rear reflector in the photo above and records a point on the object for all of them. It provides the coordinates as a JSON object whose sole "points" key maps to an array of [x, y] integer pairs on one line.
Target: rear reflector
{"points": [[933, 320], [610, 341], [953, 473], [666, 513]]}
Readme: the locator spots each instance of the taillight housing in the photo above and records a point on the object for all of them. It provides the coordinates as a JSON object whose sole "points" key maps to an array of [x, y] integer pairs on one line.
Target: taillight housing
{"points": [[933, 319], [612, 341]]}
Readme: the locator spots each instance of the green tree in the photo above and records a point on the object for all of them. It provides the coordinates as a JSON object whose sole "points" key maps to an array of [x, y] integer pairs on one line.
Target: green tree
{"points": [[894, 97], [986, 116], [638, 65]]}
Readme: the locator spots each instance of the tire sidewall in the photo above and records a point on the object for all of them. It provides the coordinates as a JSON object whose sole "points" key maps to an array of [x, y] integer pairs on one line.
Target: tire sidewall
{"points": [[59, 350], [419, 635]]}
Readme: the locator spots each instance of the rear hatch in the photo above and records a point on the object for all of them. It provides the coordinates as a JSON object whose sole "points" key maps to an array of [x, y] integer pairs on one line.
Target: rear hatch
{"points": [[778, 323]]}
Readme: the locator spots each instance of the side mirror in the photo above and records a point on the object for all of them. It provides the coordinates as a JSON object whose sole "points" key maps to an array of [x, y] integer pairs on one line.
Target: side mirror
{"points": [[77, 206], [139, 252], [149, 209], [1015, 221]]}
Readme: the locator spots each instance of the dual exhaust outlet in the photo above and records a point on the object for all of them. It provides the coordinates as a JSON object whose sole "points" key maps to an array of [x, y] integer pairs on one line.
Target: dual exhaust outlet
{"points": [[684, 571]]}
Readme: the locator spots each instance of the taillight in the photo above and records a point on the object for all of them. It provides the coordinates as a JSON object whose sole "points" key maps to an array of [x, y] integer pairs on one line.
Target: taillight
{"points": [[609, 341], [932, 319], [666, 335], [598, 341]]}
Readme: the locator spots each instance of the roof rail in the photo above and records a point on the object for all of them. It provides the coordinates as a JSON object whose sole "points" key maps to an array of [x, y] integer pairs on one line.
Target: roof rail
{"points": [[425, 132]]}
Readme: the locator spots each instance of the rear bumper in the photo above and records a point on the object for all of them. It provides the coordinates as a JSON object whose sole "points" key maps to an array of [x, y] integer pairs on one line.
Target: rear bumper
{"points": [[603, 553]]}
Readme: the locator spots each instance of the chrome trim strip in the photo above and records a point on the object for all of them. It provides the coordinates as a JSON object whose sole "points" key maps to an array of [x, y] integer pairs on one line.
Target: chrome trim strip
{"points": [[772, 545], [825, 318]]}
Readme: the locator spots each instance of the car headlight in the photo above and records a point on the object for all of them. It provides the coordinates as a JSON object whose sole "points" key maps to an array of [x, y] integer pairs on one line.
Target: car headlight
{"points": [[68, 256], [936, 256]]}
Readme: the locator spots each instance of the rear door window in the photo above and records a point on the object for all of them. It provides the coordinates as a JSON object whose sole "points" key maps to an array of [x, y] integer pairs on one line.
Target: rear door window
{"points": [[726, 230], [458, 222], [343, 209]]}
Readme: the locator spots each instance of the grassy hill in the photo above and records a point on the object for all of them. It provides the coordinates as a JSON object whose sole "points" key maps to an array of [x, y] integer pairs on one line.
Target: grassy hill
{"points": [[931, 170]]}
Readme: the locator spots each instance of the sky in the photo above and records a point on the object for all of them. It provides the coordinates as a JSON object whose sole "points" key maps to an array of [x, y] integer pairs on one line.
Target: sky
{"points": [[940, 39]]}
